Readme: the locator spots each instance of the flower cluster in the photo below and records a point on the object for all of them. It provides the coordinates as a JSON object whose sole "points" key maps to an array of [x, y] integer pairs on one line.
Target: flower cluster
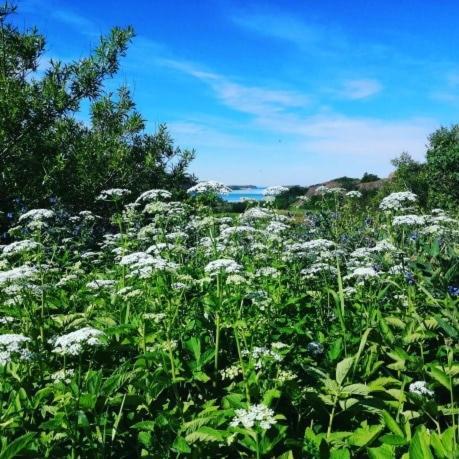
{"points": [[210, 186], [397, 201], [76, 342], [224, 265], [113, 194], [13, 347], [420, 388], [275, 190], [254, 416]]}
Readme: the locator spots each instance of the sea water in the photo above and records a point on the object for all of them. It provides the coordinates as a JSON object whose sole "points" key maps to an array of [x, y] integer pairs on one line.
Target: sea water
{"points": [[248, 193]]}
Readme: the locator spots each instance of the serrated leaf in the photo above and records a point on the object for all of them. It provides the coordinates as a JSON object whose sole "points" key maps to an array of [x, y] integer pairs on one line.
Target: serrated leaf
{"points": [[205, 434], [342, 369]]}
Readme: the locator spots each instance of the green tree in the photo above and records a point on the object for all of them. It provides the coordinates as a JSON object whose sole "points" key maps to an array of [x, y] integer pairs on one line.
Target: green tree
{"points": [[45, 150], [411, 175], [443, 166], [369, 178]]}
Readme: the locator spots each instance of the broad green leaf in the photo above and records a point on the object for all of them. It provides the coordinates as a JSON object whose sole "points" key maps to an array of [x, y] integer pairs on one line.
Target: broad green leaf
{"points": [[381, 452], [16, 446], [365, 435], [342, 369], [440, 376], [392, 425], [356, 389], [181, 446], [342, 453], [419, 445]]}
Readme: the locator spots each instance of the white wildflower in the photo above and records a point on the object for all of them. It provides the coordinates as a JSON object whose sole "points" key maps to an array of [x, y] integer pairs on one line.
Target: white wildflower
{"points": [[224, 265], [275, 190], [420, 388], [113, 194], [210, 186], [13, 347], [397, 201], [75, 342], [255, 416]]}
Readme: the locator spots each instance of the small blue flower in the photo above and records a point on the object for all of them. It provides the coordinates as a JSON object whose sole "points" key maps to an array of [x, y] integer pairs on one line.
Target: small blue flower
{"points": [[315, 348], [409, 277], [453, 290], [414, 236]]}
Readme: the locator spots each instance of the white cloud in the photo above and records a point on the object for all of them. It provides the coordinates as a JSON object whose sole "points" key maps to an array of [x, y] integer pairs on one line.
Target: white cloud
{"points": [[360, 89], [333, 139], [255, 100]]}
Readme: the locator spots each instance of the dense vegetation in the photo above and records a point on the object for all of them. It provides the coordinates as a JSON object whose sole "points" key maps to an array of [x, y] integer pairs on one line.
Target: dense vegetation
{"points": [[137, 320], [181, 333]]}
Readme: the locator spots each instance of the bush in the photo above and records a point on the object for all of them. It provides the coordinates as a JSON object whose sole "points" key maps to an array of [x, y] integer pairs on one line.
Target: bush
{"points": [[369, 178]]}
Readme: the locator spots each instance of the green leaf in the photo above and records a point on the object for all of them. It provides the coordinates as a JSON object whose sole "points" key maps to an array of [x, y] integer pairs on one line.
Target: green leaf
{"points": [[419, 445], [440, 376], [145, 438], [286, 455], [270, 395], [144, 425], [363, 341], [392, 425], [391, 439], [438, 447], [356, 389], [365, 435], [342, 453], [342, 369], [381, 452], [18, 445], [206, 435], [181, 446]]}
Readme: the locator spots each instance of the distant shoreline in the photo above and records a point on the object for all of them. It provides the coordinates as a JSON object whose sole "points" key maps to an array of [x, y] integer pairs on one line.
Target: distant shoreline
{"points": [[244, 187]]}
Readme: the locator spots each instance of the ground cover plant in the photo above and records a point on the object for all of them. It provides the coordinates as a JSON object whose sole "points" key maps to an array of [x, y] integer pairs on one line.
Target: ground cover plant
{"points": [[166, 329]]}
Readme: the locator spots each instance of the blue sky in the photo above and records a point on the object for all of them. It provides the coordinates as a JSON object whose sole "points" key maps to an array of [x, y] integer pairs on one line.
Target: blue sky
{"points": [[281, 92]]}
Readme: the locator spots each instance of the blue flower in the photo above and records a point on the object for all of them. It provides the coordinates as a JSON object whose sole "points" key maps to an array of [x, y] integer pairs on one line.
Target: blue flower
{"points": [[409, 277], [315, 348], [453, 290]]}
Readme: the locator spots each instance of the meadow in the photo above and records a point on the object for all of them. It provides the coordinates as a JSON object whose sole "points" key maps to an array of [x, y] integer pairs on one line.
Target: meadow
{"points": [[163, 329]]}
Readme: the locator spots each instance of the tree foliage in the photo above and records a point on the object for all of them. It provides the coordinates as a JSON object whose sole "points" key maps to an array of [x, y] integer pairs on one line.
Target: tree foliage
{"points": [[443, 165], [46, 150], [411, 175]]}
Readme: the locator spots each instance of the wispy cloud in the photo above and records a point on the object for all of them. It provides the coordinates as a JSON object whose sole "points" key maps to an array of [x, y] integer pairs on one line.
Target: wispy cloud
{"points": [[63, 15], [360, 89], [255, 100], [77, 21], [449, 92], [317, 38], [347, 144]]}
